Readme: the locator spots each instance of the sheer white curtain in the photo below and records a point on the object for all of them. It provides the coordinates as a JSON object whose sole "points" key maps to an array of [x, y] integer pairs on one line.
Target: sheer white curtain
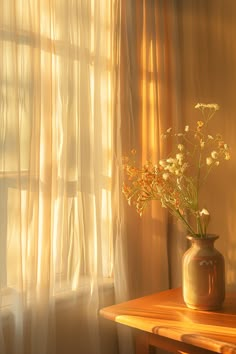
{"points": [[58, 67]]}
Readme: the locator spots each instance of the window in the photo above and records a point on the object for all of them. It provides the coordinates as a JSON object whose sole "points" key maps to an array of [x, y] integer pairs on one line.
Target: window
{"points": [[58, 68]]}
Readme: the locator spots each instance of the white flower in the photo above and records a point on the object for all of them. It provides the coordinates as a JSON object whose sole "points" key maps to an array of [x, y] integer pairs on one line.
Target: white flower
{"points": [[179, 156], [226, 147], [177, 172], [217, 163], [186, 129], [202, 143], [214, 155], [169, 130], [210, 137], [162, 163], [227, 156], [209, 161], [205, 216], [181, 147], [214, 106], [201, 105], [204, 212], [165, 176], [171, 160]]}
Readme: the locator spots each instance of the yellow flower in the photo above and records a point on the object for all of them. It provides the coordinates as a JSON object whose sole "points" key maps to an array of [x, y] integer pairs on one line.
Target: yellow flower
{"points": [[200, 123]]}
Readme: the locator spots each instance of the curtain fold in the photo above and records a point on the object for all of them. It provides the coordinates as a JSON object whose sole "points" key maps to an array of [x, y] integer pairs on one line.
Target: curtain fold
{"points": [[149, 90]]}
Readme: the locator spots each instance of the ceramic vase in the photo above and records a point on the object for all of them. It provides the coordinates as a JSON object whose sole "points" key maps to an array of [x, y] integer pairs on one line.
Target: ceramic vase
{"points": [[203, 271]]}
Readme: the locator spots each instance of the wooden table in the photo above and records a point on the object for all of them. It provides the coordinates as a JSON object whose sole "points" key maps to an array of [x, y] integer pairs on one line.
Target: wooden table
{"points": [[163, 321]]}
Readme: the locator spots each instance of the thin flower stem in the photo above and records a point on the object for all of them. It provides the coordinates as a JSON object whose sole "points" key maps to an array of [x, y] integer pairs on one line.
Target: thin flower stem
{"points": [[208, 172], [199, 225], [188, 141], [184, 221], [209, 117]]}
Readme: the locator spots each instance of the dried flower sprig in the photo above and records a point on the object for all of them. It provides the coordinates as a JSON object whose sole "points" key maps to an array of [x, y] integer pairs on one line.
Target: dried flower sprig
{"points": [[176, 181]]}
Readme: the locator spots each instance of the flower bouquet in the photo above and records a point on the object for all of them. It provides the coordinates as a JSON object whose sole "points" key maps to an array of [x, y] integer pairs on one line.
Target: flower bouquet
{"points": [[176, 181]]}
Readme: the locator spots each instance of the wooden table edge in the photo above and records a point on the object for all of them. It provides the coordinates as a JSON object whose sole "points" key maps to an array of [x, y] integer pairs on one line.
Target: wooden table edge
{"points": [[196, 339]]}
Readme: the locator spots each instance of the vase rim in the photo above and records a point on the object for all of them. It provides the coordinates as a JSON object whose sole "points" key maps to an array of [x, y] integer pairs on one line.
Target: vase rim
{"points": [[199, 238]]}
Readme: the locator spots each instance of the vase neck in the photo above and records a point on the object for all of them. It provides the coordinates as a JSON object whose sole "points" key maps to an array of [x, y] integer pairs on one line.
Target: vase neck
{"points": [[207, 241]]}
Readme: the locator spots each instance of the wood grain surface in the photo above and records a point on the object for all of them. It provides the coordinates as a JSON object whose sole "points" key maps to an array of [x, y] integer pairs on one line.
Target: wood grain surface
{"points": [[166, 315]]}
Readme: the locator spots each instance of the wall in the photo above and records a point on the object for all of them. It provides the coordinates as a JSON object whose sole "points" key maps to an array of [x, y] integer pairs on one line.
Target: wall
{"points": [[207, 49]]}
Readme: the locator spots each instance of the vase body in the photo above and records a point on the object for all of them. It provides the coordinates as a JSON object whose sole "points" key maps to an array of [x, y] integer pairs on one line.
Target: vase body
{"points": [[203, 270]]}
